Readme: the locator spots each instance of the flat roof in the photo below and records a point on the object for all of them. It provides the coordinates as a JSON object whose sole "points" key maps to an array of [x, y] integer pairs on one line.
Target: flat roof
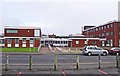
{"points": [[101, 25], [22, 27]]}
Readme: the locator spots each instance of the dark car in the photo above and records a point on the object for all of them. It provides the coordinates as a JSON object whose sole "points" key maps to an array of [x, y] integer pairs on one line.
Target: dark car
{"points": [[114, 51]]}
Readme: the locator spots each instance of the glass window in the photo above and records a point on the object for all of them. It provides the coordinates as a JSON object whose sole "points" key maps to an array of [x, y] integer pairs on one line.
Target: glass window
{"points": [[103, 34], [104, 27], [1, 41], [36, 32], [42, 42], [107, 34], [9, 41], [99, 35], [111, 25], [16, 41], [119, 42], [24, 40], [111, 33], [31, 40], [107, 26], [108, 43], [12, 31], [119, 33], [99, 28], [94, 42], [77, 42]]}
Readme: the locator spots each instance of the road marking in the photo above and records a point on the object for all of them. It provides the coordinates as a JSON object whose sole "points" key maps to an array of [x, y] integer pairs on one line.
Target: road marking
{"points": [[64, 73], [104, 72], [19, 73]]}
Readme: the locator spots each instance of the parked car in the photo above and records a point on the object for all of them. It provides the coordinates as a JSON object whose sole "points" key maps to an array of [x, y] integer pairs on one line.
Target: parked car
{"points": [[90, 50], [114, 50]]}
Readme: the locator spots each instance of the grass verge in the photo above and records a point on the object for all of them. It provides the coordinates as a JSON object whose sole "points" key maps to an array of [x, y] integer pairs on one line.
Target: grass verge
{"points": [[18, 50]]}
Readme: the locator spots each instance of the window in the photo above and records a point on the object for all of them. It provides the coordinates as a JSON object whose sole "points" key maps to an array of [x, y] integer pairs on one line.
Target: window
{"points": [[36, 32], [96, 29], [103, 43], [103, 34], [16, 41], [119, 42], [108, 43], [31, 40], [107, 34], [9, 41], [12, 31], [104, 27], [86, 42], [99, 28], [111, 25], [107, 26], [111, 33], [94, 42], [119, 33], [99, 35], [2, 41], [42, 42], [111, 42], [77, 42], [24, 40]]}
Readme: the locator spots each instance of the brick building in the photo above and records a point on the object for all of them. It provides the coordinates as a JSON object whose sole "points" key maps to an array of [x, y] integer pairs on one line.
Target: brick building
{"points": [[110, 31], [22, 37]]}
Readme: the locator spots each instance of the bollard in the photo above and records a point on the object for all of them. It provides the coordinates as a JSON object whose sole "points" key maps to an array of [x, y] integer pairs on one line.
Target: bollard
{"points": [[7, 61], [99, 61], [117, 60], [30, 62], [55, 62], [77, 63]]}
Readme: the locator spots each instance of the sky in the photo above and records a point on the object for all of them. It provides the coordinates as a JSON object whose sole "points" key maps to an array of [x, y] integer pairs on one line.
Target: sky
{"points": [[60, 17]]}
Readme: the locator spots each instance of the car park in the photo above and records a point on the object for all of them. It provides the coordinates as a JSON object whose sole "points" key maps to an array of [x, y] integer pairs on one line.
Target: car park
{"points": [[114, 50], [93, 50]]}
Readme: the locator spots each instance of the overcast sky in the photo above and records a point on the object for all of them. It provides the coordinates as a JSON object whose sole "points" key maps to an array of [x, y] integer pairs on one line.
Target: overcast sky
{"points": [[60, 17]]}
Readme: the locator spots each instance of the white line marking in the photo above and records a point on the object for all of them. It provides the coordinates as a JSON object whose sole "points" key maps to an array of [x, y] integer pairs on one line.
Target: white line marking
{"points": [[19, 73], [104, 72], [64, 73]]}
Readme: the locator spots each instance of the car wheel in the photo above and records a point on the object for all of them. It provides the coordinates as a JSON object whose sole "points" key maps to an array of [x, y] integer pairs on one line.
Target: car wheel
{"points": [[89, 53], [104, 53]]}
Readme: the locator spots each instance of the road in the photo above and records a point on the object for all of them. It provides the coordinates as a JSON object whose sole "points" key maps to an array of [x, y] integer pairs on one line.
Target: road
{"points": [[43, 64]]}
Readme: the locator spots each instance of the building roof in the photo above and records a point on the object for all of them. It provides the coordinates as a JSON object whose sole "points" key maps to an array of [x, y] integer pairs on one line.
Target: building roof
{"points": [[22, 27], [101, 25]]}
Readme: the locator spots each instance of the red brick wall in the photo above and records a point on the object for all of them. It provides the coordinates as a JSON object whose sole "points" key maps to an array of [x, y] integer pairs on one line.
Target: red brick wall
{"points": [[5, 43], [13, 43], [81, 43], [116, 36], [21, 33], [94, 42], [37, 43], [115, 29], [20, 43], [27, 43]]}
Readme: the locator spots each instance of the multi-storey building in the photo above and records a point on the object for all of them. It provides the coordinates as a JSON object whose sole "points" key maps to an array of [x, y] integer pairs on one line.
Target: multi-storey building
{"points": [[110, 31], [22, 37]]}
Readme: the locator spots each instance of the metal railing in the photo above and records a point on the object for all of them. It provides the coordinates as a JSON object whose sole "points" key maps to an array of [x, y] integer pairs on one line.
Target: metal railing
{"points": [[56, 61]]}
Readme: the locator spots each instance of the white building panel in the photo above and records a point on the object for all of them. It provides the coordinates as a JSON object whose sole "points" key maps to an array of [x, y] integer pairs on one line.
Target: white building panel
{"points": [[9, 45], [16, 45], [23, 45]]}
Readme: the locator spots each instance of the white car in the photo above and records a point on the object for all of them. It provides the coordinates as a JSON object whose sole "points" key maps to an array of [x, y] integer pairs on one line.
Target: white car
{"points": [[90, 50]]}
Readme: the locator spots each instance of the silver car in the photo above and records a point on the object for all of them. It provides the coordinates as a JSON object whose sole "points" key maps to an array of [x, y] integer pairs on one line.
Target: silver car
{"points": [[90, 50]]}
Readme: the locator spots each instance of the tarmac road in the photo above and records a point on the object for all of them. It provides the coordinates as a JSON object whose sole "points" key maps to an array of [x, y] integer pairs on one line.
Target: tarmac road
{"points": [[43, 64]]}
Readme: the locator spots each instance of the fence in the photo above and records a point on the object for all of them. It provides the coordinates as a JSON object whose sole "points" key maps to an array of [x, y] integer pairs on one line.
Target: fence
{"points": [[57, 61]]}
